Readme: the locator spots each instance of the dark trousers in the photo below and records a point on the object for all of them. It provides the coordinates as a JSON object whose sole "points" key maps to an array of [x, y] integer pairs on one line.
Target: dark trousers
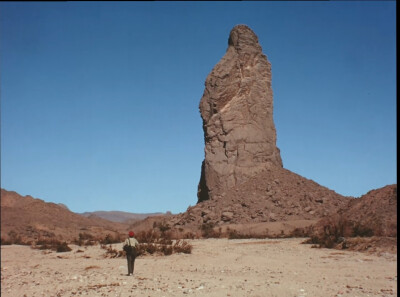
{"points": [[131, 263]]}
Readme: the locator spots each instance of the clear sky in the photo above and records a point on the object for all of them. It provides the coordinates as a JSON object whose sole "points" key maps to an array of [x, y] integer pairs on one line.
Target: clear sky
{"points": [[99, 100]]}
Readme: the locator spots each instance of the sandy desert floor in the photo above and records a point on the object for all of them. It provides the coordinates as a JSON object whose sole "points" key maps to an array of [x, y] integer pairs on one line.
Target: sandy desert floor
{"points": [[216, 267]]}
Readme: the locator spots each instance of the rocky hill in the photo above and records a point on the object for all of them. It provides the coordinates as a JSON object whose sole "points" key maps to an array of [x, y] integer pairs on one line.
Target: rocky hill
{"points": [[275, 194], [374, 213], [32, 218]]}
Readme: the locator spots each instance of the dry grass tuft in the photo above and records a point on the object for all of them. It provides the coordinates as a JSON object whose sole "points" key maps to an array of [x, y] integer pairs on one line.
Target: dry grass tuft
{"points": [[92, 267], [52, 244]]}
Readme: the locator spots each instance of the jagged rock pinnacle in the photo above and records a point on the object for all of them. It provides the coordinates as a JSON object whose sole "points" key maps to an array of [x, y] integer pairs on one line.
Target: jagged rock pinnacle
{"points": [[237, 113]]}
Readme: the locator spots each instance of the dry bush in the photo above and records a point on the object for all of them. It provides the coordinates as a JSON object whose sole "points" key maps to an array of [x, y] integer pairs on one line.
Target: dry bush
{"points": [[109, 239], [85, 239], [208, 231], [165, 241], [111, 253], [234, 234], [189, 235], [86, 236], [5, 241], [63, 247], [14, 238], [52, 244], [150, 248], [332, 231], [154, 242], [92, 267], [301, 232], [164, 247], [162, 226], [362, 231], [167, 250], [148, 236], [182, 246]]}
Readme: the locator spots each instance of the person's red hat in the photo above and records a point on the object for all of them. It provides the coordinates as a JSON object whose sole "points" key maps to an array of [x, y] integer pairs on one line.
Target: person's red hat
{"points": [[131, 234]]}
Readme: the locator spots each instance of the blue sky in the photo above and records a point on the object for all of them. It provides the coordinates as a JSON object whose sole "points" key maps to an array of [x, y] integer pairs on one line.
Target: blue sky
{"points": [[99, 101]]}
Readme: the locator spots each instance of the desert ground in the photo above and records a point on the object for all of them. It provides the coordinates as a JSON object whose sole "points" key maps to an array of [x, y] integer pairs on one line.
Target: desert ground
{"points": [[216, 267]]}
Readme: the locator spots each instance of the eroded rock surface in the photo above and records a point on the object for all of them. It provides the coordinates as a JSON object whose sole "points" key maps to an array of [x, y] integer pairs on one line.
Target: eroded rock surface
{"points": [[237, 113]]}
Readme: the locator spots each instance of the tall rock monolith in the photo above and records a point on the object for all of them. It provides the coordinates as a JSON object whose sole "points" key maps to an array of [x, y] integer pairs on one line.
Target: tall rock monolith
{"points": [[237, 113]]}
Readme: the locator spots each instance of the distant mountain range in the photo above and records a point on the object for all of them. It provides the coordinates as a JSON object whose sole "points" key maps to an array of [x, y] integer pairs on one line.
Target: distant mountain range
{"points": [[121, 216]]}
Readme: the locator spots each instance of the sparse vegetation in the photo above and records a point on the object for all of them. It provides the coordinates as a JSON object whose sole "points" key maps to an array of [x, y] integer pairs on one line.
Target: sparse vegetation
{"points": [[85, 239], [5, 241], [208, 230], [108, 239], [182, 246], [63, 247], [52, 244], [153, 242], [234, 234], [92, 267], [331, 232], [111, 252], [189, 235], [162, 226], [14, 238]]}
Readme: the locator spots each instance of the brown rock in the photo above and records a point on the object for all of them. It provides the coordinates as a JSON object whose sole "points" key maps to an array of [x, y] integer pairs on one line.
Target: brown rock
{"points": [[227, 216], [236, 108]]}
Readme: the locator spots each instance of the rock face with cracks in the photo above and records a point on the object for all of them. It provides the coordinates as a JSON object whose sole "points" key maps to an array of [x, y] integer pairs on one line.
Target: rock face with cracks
{"points": [[237, 113]]}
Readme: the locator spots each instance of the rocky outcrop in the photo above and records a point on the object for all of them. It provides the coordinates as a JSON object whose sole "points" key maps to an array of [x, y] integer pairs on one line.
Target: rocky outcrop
{"points": [[236, 108], [273, 195], [374, 213]]}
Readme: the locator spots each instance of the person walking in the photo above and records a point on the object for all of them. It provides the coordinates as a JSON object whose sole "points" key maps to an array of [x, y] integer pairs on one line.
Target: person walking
{"points": [[130, 247]]}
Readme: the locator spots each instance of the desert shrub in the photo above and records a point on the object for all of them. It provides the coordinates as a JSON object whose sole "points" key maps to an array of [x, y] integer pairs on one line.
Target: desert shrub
{"points": [[234, 234], [331, 232], [162, 226], [85, 236], [92, 267], [109, 239], [14, 238], [208, 231], [189, 235], [165, 241], [151, 248], [85, 239], [362, 231], [148, 236], [52, 244], [5, 241], [300, 232], [182, 246], [167, 250], [111, 252], [157, 242], [63, 247]]}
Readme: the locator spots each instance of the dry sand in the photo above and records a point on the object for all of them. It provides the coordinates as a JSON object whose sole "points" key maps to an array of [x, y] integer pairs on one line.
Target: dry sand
{"points": [[216, 267]]}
